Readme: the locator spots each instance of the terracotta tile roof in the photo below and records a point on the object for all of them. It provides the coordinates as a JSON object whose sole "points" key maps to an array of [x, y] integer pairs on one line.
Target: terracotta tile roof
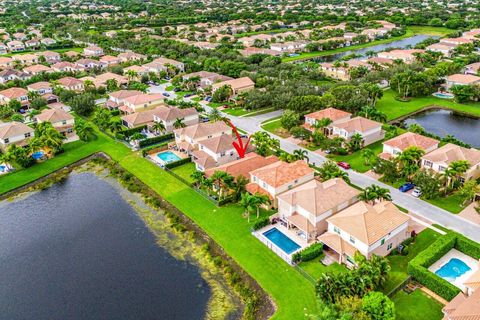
{"points": [[331, 113], [474, 66], [204, 129], [301, 222], [219, 144], [69, 82], [463, 78], [242, 167], [39, 85], [369, 223], [54, 115], [212, 76], [410, 139], [104, 77], [36, 69], [280, 173], [463, 307], [173, 113], [318, 197], [451, 152], [122, 94], [203, 159], [14, 93], [254, 188], [139, 118], [358, 124], [473, 282], [236, 84], [335, 242], [143, 98], [13, 129]]}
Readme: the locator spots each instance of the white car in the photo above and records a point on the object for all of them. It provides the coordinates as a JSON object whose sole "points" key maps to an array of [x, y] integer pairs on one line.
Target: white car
{"points": [[416, 192]]}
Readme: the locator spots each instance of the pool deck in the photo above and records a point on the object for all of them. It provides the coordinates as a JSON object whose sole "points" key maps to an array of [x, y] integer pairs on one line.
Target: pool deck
{"points": [[272, 246], [471, 262], [157, 160]]}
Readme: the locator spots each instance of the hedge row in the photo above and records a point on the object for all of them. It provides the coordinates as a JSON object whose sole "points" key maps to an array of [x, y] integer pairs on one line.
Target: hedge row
{"points": [[467, 246], [155, 140], [309, 253], [261, 223], [155, 148], [418, 266], [129, 132], [178, 163]]}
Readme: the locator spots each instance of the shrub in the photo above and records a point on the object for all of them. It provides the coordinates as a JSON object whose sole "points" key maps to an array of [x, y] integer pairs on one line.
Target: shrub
{"points": [[154, 140], [178, 163], [261, 223], [115, 112], [309, 253], [128, 132]]}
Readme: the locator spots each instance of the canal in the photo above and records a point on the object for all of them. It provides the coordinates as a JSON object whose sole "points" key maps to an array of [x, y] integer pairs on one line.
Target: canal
{"points": [[79, 250]]}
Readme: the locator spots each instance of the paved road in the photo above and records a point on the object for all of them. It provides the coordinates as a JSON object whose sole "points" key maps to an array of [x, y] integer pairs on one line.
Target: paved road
{"points": [[416, 206]]}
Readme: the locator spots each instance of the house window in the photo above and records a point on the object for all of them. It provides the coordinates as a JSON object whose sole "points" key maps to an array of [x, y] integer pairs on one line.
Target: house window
{"points": [[389, 247], [6, 140], [264, 184], [222, 154], [27, 135], [427, 163], [441, 168], [336, 229], [64, 122], [382, 242], [352, 239]]}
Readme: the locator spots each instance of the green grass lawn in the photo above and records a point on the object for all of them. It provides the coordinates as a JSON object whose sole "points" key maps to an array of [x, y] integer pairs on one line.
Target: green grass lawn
{"points": [[225, 225], [315, 268], [356, 160], [185, 171], [452, 203], [62, 50], [169, 88], [431, 31], [398, 263], [274, 126], [416, 306], [395, 109]]}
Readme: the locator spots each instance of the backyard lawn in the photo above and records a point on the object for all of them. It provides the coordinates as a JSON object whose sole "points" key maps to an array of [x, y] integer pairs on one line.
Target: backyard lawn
{"points": [[225, 225], [395, 109], [356, 161], [399, 263], [275, 126], [416, 306], [315, 268], [185, 171]]}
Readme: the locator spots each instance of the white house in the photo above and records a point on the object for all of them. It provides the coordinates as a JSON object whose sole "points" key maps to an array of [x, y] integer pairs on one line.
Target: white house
{"points": [[396, 145], [14, 133], [371, 131]]}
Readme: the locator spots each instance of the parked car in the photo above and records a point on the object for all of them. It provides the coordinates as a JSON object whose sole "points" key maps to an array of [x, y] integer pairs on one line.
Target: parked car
{"points": [[417, 192], [406, 187], [157, 84], [188, 95], [176, 89], [166, 94], [344, 165], [208, 98], [205, 119]]}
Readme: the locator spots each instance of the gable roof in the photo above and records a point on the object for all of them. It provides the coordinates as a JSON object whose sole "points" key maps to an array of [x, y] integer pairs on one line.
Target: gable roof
{"points": [[13, 129], [54, 115], [318, 197], [451, 152], [14, 93], [204, 129], [369, 223]]}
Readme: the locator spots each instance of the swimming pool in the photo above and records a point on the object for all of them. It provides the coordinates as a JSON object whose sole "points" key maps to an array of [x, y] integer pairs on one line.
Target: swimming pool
{"points": [[286, 244], [38, 155], [453, 269], [168, 156], [2, 168], [443, 95]]}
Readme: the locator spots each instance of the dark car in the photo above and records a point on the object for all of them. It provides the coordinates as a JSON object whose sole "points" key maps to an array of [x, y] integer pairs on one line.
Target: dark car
{"points": [[166, 94], [406, 187], [188, 95], [343, 165], [176, 89]]}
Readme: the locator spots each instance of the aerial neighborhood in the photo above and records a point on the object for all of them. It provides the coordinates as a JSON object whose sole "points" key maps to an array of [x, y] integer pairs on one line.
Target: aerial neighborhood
{"points": [[322, 150]]}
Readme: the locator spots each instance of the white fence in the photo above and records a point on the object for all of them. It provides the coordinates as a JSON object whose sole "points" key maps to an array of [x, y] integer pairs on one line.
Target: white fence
{"points": [[273, 247]]}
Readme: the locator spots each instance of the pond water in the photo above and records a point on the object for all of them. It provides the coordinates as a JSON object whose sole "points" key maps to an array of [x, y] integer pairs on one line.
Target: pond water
{"points": [[78, 250], [443, 122], [403, 43]]}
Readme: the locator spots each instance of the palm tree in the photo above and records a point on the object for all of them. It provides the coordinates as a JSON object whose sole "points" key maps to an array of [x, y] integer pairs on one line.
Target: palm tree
{"points": [[136, 137], [222, 181], [374, 193], [322, 123], [410, 159], [367, 155], [248, 203], [198, 177], [455, 170], [300, 154], [83, 129], [260, 200], [330, 170], [158, 127], [115, 125], [131, 74], [356, 142], [179, 124], [88, 84], [239, 187], [215, 115]]}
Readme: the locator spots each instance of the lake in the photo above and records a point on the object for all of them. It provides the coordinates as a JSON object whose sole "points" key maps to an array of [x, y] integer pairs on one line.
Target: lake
{"points": [[403, 43], [78, 250], [443, 122]]}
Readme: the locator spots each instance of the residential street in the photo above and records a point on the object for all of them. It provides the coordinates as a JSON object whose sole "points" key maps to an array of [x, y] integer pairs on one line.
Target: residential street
{"points": [[416, 206]]}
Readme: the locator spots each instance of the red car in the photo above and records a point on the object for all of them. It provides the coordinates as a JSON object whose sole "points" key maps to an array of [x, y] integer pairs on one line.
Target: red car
{"points": [[344, 165]]}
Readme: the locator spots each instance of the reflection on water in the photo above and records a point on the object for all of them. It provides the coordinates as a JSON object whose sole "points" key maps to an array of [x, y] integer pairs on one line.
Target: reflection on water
{"points": [[79, 251], [443, 122]]}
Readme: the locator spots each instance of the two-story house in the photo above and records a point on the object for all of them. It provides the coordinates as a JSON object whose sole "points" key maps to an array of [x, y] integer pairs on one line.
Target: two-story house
{"points": [[279, 177], [14, 133], [93, 51], [169, 115], [366, 228], [396, 145], [238, 85], [206, 78], [307, 206], [142, 102], [115, 99], [70, 83], [187, 138], [336, 115], [371, 131], [243, 167], [438, 160], [41, 87], [461, 80], [10, 94], [62, 121]]}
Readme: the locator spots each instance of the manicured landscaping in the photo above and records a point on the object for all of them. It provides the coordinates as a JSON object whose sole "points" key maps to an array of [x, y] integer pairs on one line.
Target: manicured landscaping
{"points": [[452, 203], [431, 31], [185, 171], [275, 126], [399, 263], [315, 268], [416, 306], [356, 161], [225, 225], [395, 109]]}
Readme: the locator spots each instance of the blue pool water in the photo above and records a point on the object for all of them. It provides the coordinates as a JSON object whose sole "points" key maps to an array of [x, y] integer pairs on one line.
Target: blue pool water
{"points": [[282, 241], [168, 156], [38, 155], [443, 95], [453, 269], [2, 168]]}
